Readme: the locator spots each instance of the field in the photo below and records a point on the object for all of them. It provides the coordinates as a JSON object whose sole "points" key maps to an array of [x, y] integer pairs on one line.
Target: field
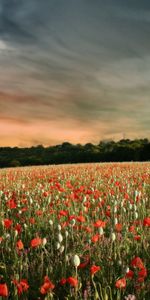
{"points": [[75, 232]]}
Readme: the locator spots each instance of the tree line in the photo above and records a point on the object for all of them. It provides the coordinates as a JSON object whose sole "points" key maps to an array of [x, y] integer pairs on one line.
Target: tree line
{"points": [[105, 151]]}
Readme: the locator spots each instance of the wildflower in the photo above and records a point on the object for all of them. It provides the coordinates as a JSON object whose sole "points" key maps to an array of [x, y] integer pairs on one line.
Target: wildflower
{"points": [[146, 222], [32, 221], [137, 237], [19, 245], [142, 273], [101, 231], [57, 245], [22, 286], [80, 219], [84, 264], [63, 281], [120, 283], [44, 242], [137, 263], [47, 286], [3, 290], [61, 249], [7, 223], [59, 227], [129, 274], [94, 269], [36, 242], [95, 238], [76, 260], [66, 233], [11, 204], [18, 227], [100, 223], [60, 237], [118, 227], [51, 222], [113, 236], [72, 281]]}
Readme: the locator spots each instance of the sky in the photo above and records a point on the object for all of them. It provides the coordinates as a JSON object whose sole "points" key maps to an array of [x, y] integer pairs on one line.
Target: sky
{"points": [[74, 70]]}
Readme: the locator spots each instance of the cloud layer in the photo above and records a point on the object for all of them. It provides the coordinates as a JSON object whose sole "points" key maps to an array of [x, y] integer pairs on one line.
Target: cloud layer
{"points": [[74, 70]]}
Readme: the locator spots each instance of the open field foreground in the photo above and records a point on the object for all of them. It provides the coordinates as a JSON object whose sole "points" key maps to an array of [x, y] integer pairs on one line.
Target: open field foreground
{"points": [[75, 232]]}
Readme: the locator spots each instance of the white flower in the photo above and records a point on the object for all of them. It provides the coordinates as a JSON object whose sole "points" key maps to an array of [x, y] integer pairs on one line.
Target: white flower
{"points": [[59, 227], [60, 237], [16, 233], [113, 236], [66, 233], [51, 222], [31, 201], [115, 209], [116, 221], [73, 221], [76, 260], [136, 215], [101, 231], [61, 249], [44, 241], [57, 246]]}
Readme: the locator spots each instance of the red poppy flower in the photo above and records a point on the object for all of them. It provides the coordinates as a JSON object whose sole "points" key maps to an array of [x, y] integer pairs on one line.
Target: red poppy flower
{"points": [[11, 204], [36, 242], [18, 227], [118, 227], [100, 223], [7, 223], [63, 281], [47, 286], [137, 237], [20, 245], [120, 283], [94, 269], [31, 220], [142, 273], [22, 286], [72, 281], [3, 290], [146, 222], [130, 274], [137, 263], [63, 213], [95, 238], [132, 229], [80, 218]]}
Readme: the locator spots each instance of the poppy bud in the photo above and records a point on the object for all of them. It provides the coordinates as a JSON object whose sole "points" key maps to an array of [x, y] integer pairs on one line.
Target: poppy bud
{"points": [[57, 246], [62, 248], [59, 227], [44, 241], [76, 260], [60, 237], [113, 236]]}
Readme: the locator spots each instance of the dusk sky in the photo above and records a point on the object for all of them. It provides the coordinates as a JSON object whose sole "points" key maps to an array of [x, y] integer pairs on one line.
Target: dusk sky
{"points": [[74, 70]]}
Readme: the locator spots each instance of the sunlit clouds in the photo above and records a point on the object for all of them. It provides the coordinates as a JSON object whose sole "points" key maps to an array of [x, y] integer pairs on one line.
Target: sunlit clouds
{"points": [[76, 71]]}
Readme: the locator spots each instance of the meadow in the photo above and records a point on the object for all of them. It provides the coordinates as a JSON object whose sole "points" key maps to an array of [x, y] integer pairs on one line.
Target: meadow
{"points": [[75, 232]]}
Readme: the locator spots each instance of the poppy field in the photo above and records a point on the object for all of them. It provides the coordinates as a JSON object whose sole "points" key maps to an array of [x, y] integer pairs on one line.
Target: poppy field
{"points": [[75, 232]]}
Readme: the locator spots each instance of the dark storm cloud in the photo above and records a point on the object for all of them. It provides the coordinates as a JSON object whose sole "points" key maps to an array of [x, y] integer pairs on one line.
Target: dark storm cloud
{"points": [[86, 62]]}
